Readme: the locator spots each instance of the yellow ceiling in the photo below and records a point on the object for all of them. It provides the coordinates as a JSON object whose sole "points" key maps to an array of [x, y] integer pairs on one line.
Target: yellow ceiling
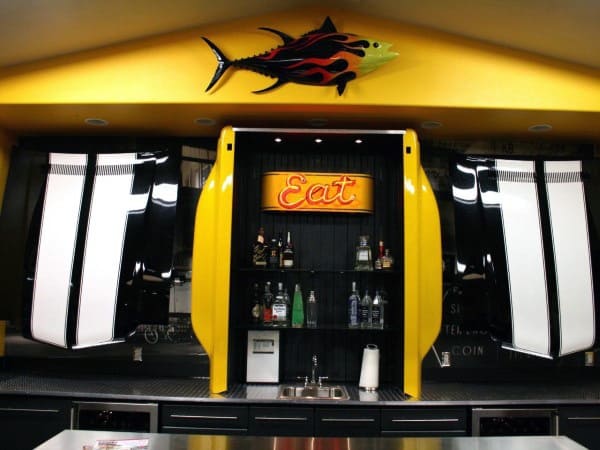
{"points": [[156, 86]]}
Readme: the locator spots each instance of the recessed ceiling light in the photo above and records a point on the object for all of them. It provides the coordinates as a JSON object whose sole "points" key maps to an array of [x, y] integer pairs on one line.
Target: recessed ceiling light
{"points": [[317, 122], [540, 128], [96, 122], [358, 141], [205, 121], [278, 140], [318, 140], [431, 124]]}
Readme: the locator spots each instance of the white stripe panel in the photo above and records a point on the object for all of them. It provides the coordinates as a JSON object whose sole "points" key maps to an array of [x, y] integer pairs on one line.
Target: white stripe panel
{"points": [[570, 238], [103, 250], [525, 260], [56, 248]]}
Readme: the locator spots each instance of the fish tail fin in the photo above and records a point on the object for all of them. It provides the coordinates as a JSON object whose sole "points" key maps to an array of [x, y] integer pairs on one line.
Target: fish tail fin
{"points": [[222, 63]]}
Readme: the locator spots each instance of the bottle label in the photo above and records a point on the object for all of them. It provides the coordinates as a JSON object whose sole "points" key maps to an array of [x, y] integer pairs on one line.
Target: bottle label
{"points": [[375, 315], [362, 255], [279, 312], [256, 312], [267, 315], [288, 263]]}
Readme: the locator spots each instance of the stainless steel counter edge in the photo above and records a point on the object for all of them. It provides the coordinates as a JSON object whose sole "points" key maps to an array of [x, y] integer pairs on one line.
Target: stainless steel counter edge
{"points": [[196, 391]]}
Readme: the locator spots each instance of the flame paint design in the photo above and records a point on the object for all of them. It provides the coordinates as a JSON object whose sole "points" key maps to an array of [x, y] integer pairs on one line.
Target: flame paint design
{"points": [[322, 57]]}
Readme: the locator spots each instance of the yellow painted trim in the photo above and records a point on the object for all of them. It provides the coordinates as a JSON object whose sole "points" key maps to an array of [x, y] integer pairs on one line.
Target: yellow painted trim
{"points": [[5, 147], [6, 143], [422, 266], [211, 262]]}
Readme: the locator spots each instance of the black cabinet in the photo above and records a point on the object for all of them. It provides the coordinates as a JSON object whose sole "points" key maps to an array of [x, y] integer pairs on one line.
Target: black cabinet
{"points": [[581, 423], [424, 422], [27, 422], [204, 419], [348, 421], [281, 421]]}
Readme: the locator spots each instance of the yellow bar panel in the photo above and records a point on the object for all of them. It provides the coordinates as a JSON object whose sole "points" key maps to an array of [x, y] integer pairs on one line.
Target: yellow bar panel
{"points": [[422, 266], [5, 146], [211, 261], [317, 191]]}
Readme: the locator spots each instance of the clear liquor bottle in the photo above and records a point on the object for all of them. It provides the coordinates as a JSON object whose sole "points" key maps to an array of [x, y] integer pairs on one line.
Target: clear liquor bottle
{"points": [[288, 253], [311, 310], [267, 304], [377, 311], [364, 311], [363, 260], [280, 308], [353, 302]]}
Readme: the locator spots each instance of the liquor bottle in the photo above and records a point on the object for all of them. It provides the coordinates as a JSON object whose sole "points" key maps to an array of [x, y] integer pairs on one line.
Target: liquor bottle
{"points": [[364, 311], [280, 249], [267, 304], [288, 253], [256, 313], [387, 261], [288, 307], [279, 308], [377, 311], [379, 261], [273, 253], [311, 310], [260, 250], [363, 254], [297, 308], [353, 302]]}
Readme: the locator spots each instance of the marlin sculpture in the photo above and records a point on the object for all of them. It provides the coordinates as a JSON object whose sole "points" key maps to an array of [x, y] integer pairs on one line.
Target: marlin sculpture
{"points": [[321, 57]]}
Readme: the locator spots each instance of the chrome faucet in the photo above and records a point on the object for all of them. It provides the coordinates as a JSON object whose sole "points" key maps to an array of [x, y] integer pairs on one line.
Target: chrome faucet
{"points": [[313, 380]]}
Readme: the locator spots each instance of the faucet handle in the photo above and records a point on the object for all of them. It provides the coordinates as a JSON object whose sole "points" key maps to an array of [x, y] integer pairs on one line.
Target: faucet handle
{"points": [[305, 379], [321, 380]]}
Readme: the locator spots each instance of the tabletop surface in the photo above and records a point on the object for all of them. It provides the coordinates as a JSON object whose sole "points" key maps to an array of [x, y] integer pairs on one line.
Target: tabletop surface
{"points": [[80, 439]]}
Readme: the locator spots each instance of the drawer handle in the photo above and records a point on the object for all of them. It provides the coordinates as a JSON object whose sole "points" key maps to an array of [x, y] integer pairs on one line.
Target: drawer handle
{"points": [[423, 420], [184, 416], [30, 410], [329, 419], [297, 419], [583, 418]]}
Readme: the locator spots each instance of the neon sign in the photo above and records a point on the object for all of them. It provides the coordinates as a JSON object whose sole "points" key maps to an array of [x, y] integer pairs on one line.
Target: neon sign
{"points": [[310, 191]]}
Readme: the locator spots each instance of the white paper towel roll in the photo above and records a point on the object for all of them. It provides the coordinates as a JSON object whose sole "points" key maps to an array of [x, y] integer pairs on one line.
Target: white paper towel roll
{"points": [[369, 372]]}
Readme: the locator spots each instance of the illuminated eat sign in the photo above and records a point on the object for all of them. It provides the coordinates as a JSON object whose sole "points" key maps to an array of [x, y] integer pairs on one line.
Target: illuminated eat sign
{"points": [[309, 191]]}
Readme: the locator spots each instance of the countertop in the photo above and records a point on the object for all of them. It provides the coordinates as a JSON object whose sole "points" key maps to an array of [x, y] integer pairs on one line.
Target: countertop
{"points": [[77, 439], [196, 390]]}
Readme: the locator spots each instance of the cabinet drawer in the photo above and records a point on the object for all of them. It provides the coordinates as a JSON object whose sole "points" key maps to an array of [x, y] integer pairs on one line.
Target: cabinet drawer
{"points": [[281, 421], [581, 423], [347, 422], [422, 422], [205, 419]]}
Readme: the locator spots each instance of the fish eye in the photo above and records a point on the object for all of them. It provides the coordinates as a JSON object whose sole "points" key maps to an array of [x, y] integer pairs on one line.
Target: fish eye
{"points": [[376, 44]]}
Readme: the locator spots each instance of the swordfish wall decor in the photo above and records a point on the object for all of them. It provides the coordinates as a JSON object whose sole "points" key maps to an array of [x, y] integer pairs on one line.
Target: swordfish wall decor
{"points": [[323, 57]]}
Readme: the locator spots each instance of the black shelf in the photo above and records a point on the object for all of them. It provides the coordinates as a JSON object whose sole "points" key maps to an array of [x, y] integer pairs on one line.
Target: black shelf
{"points": [[317, 271], [326, 327]]}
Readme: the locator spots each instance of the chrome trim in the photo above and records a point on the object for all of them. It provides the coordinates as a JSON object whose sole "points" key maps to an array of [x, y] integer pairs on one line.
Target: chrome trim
{"points": [[329, 419], [185, 416], [297, 419], [30, 410], [316, 130], [424, 420]]}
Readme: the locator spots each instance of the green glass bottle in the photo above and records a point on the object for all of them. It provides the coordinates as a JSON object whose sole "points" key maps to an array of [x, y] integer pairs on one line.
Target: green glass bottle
{"points": [[297, 308]]}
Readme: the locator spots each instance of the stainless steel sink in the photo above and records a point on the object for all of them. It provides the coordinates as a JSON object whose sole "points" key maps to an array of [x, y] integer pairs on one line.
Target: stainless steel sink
{"points": [[311, 391]]}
